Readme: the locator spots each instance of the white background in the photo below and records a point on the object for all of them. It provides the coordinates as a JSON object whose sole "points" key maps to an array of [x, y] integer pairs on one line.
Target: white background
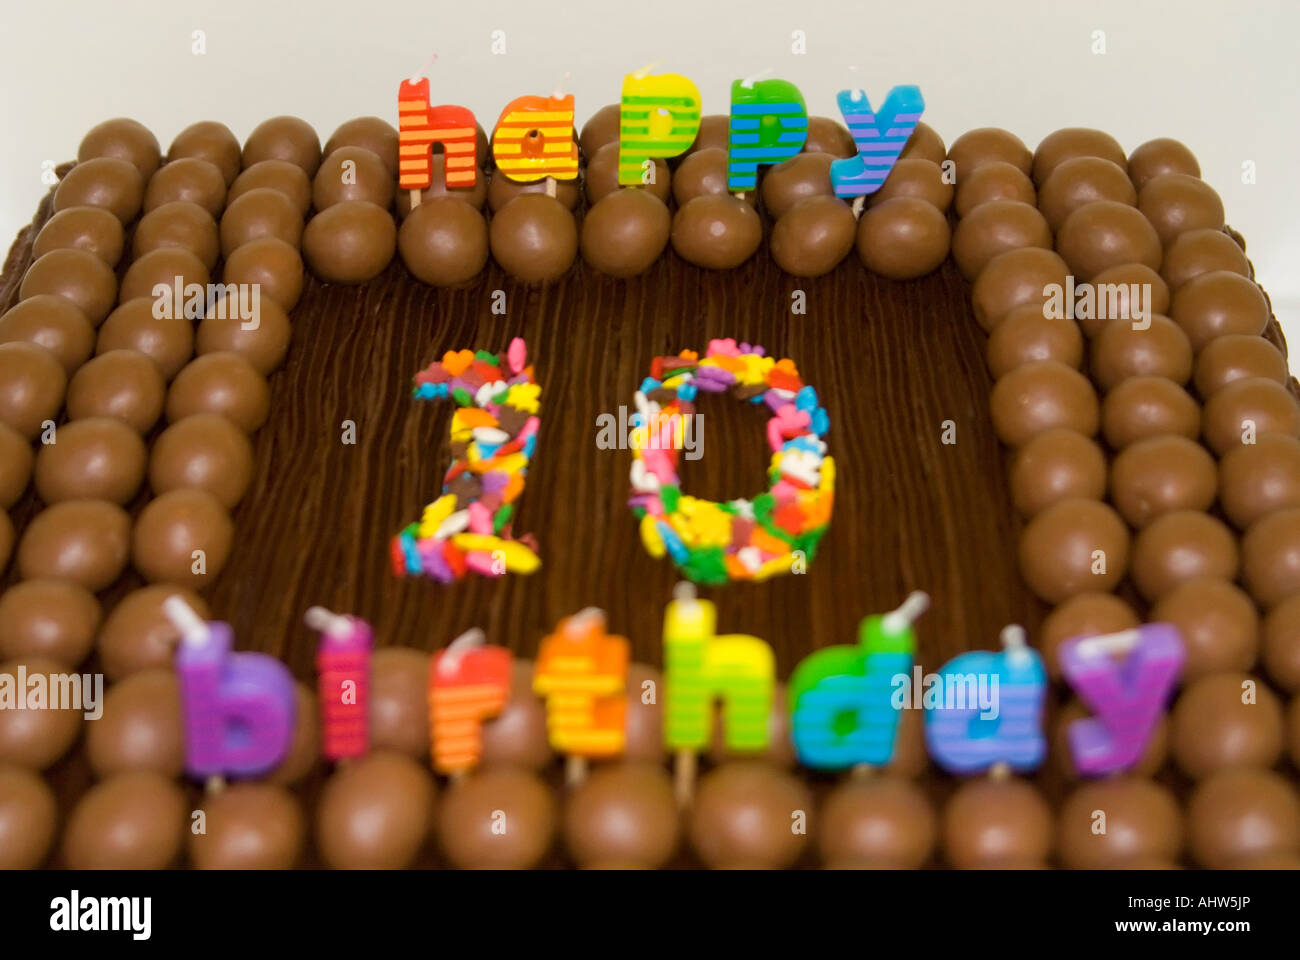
{"points": [[1222, 77]]}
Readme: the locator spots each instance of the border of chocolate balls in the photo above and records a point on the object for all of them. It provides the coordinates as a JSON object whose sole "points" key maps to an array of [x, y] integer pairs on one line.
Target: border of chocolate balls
{"points": [[1161, 483]]}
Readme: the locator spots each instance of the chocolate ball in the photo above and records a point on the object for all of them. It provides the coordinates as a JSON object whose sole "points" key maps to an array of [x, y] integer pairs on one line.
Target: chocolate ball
{"points": [[1217, 304], [830, 137], [1178, 202], [1195, 252], [1057, 464], [992, 824], [1158, 156], [121, 384], [1242, 813], [1026, 334], [189, 179], [881, 822], [996, 227], [77, 276], [716, 232], [1142, 407], [1270, 557], [353, 173], [704, 173], [260, 213], [92, 229], [167, 340], [1225, 720], [141, 727], [780, 749], [262, 340], [28, 815], [624, 233], [1248, 409], [137, 635], [304, 745], [399, 701], [15, 464], [913, 178], [1179, 546], [182, 224], [1258, 478], [802, 176], [475, 196], [1070, 142], [223, 383], [534, 238], [1081, 180], [202, 452], [497, 819], [501, 190], [643, 725], [924, 144], [35, 738], [160, 273], [52, 619], [814, 236], [1157, 475], [277, 175], [1104, 234], [1073, 546], [601, 128], [351, 242], [107, 182], [210, 141], [444, 242], [1149, 762], [133, 821], [601, 176], [1125, 292], [1041, 395], [123, 139], [1142, 822], [1014, 278], [32, 385], [985, 145], [81, 541], [622, 817], [371, 133], [1293, 730], [1237, 356], [53, 323], [98, 458], [6, 541], [1218, 623], [1082, 615], [250, 826], [284, 138], [994, 181], [715, 131], [1123, 349], [516, 737], [911, 758], [182, 536], [746, 816], [903, 238], [374, 813], [1280, 647], [273, 265]]}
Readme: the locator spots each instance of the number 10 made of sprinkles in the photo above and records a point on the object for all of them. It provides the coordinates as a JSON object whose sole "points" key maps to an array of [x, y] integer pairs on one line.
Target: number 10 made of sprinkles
{"points": [[493, 433]]}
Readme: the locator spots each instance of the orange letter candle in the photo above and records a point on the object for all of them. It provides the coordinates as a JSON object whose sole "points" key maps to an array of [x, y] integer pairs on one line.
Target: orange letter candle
{"points": [[420, 126], [468, 683], [534, 139], [582, 673]]}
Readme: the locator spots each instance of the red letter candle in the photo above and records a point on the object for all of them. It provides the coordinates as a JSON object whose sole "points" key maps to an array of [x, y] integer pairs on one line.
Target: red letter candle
{"points": [[238, 709], [468, 683], [534, 139], [343, 676], [582, 673], [420, 126]]}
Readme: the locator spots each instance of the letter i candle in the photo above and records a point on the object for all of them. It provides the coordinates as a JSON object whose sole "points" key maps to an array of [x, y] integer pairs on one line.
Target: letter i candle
{"points": [[343, 677]]}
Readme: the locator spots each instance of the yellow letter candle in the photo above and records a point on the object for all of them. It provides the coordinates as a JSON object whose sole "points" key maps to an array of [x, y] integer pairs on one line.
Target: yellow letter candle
{"points": [[658, 116], [534, 139], [581, 672]]}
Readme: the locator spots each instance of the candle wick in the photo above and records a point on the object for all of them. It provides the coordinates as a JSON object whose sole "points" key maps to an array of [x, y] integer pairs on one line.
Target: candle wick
{"points": [[560, 84], [645, 71], [182, 616], [1013, 637], [471, 638], [684, 591], [908, 612], [419, 74], [584, 620], [749, 81], [326, 621]]}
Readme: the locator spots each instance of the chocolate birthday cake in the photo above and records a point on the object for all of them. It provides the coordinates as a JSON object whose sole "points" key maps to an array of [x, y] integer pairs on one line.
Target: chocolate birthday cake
{"points": [[414, 381]]}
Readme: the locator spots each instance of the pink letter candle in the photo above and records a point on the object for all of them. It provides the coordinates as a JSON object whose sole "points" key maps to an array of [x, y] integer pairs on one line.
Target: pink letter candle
{"points": [[238, 709], [343, 677]]}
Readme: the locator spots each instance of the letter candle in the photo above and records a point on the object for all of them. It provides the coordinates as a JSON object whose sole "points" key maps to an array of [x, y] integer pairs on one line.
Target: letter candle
{"points": [[420, 126], [769, 123], [880, 137], [468, 683], [701, 667], [238, 709], [534, 139], [659, 116], [1125, 678], [343, 678], [841, 697]]}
